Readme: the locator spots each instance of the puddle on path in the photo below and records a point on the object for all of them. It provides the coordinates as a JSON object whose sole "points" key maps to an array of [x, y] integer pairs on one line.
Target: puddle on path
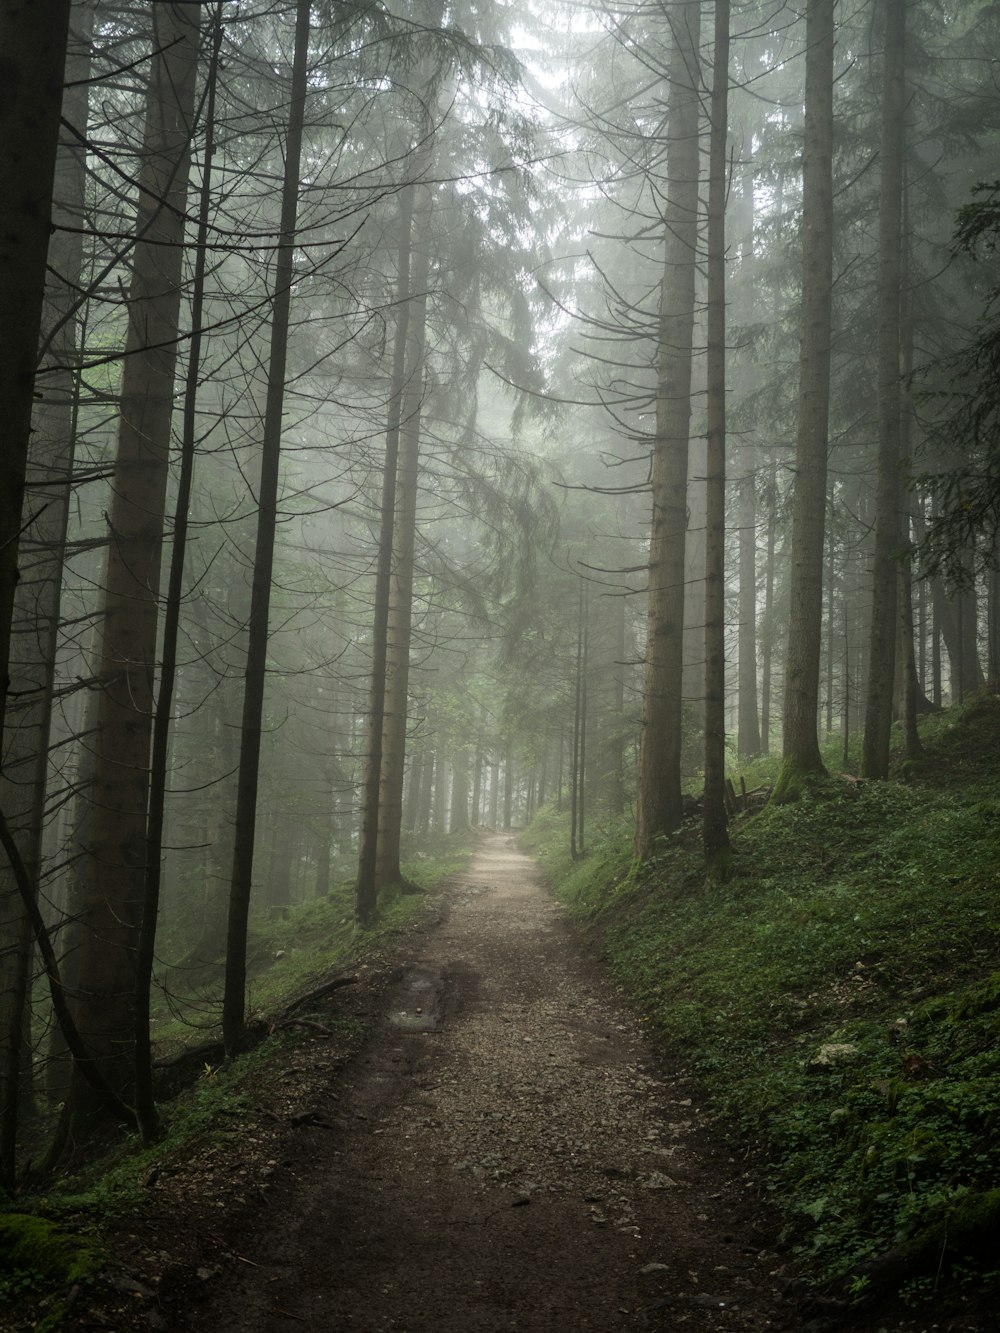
{"points": [[417, 1001]]}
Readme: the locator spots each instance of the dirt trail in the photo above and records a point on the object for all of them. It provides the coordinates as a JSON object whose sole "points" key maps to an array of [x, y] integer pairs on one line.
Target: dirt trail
{"points": [[502, 1156]]}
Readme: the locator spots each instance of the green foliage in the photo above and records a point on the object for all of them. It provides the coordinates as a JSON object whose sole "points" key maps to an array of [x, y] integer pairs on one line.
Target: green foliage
{"points": [[40, 1258], [429, 860], [862, 918]]}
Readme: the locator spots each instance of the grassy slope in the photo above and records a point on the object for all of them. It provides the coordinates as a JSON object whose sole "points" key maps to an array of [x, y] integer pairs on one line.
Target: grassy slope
{"points": [[866, 918], [47, 1241]]}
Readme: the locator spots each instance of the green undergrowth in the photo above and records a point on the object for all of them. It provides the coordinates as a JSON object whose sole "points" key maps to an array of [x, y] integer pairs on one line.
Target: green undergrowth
{"points": [[52, 1241], [42, 1262], [290, 951], [840, 998]]}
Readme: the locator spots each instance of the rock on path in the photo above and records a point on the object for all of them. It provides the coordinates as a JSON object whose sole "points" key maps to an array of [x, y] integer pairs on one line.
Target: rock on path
{"points": [[503, 1156]]}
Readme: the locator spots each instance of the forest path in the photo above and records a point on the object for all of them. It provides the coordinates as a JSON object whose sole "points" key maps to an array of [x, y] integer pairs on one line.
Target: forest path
{"points": [[502, 1155]]}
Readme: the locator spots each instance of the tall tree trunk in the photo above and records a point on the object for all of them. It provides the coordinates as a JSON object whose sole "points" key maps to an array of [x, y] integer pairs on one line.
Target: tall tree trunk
{"points": [[584, 661], [427, 795], [912, 694], [145, 1105], [494, 791], [458, 818], [715, 837], [800, 753], [366, 888], [414, 790], [769, 626], [116, 837], [882, 639], [616, 749], [508, 782], [748, 737], [33, 40], [34, 628], [477, 779], [234, 998], [440, 823], [400, 616], [658, 804], [574, 771]]}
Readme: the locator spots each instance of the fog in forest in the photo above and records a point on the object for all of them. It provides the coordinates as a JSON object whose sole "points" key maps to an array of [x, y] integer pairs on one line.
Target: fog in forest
{"points": [[420, 416]]}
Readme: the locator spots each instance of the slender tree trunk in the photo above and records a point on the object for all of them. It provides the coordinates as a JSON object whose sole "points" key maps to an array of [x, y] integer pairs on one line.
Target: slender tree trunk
{"points": [[458, 819], [769, 629], [715, 837], [414, 790], [494, 791], [582, 781], [882, 639], [440, 823], [659, 806], [912, 694], [748, 736], [508, 782], [477, 779], [574, 771], [831, 607], [427, 795], [366, 889], [993, 626], [145, 952], [116, 841], [33, 40], [388, 870], [616, 784], [748, 721], [801, 755], [234, 998], [34, 629]]}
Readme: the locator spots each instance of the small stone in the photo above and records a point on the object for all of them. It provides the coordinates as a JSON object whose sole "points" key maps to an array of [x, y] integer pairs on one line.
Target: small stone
{"points": [[832, 1053], [654, 1268], [658, 1181]]}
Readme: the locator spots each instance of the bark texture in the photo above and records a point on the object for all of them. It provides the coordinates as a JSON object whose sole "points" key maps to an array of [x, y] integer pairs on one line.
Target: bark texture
{"points": [[658, 801], [116, 840], [234, 998], [35, 622], [714, 834], [33, 41], [888, 539], [801, 755]]}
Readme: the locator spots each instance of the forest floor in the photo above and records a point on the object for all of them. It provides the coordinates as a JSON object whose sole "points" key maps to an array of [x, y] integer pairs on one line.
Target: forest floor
{"points": [[502, 1151]]}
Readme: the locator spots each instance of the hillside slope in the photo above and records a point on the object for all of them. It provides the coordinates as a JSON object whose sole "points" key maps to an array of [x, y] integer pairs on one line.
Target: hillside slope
{"points": [[840, 998]]}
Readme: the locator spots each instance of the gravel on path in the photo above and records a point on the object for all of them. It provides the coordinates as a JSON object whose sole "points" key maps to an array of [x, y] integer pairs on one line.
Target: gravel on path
{"points": [[503, 1155]]}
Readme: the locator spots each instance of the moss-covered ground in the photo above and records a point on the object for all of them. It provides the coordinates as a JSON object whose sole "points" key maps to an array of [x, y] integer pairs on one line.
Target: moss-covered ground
{"points": [[840, 998]]}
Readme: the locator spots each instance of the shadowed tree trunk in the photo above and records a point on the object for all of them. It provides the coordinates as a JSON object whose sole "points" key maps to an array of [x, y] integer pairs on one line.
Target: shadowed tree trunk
{"points": [[116, 834], [33, 41], [800, 754], [888, 541], [658, 801], [458, 818], [366, 889], [748, 739], [145, 1104], [34, 627], [715, 837], [234, 998], [400, 610]]}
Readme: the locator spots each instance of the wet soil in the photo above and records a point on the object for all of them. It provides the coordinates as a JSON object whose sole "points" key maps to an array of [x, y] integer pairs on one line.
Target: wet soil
{"points": [[503, 1154]]}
